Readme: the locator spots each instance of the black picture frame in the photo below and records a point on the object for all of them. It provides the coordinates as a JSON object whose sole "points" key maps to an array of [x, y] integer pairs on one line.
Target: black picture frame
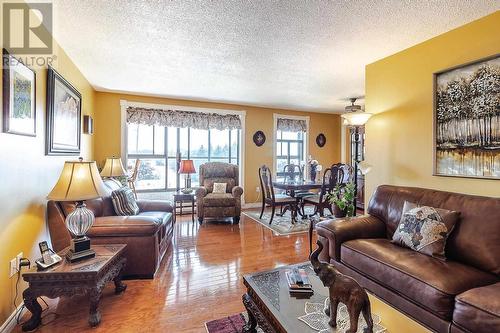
{"points": [[259, 138], [465, 68], [8, 60], [54, 145], [321, 140]]}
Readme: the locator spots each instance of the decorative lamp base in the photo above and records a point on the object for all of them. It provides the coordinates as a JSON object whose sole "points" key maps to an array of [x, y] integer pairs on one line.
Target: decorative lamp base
{"points": [[80, 249]]}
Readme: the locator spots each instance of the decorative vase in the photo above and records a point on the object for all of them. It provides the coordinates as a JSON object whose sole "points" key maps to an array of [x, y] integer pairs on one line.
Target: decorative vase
{"points": [[338, 213], [313, 173]]}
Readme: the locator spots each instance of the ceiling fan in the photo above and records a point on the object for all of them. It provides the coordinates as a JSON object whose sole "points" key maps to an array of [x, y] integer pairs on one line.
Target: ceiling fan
{"points": [[353, 107]]}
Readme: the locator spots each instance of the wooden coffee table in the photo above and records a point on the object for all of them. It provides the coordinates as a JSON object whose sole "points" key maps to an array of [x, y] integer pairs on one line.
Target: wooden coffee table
{"points": [[270, 305], [86, 277]]}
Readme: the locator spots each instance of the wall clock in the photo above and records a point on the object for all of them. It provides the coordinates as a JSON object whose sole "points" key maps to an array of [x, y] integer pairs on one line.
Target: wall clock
{"points": [[321, 140], [259, 138]]}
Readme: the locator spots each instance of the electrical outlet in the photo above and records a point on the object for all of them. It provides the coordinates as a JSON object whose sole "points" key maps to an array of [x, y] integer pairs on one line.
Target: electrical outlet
{"points": [[257, 189], [18, 260], [13, 267]]}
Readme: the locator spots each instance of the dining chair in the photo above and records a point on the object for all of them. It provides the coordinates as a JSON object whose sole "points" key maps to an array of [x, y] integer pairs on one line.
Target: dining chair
{"points": [[331, 177], [295, 173], [274, 199], [133, 177]]}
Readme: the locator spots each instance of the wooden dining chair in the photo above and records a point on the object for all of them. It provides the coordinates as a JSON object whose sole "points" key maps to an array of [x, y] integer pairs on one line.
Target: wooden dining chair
{"points": [[133, 177], [274, 199], [292, 173], [331, 177]]}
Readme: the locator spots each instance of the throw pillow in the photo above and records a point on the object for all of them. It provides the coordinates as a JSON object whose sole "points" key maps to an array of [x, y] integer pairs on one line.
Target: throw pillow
{"points": [[219, 188], [425, 229], [124, 202]]}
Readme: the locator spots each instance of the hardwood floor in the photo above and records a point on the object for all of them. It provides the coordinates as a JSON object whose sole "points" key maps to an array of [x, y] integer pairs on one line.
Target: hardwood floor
{"points": [[199, 280]]}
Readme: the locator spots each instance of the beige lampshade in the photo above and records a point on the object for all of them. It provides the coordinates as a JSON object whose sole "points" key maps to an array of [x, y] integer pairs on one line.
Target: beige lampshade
{"points": [[358, 118], [113, 168], [78, 181]]}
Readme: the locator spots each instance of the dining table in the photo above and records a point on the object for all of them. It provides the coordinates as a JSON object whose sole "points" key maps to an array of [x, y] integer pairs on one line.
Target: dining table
{"points": [[294, 186]]}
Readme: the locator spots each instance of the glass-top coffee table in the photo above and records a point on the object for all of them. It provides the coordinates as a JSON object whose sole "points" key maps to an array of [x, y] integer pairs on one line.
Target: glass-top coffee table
{"points": [[270, 305]]}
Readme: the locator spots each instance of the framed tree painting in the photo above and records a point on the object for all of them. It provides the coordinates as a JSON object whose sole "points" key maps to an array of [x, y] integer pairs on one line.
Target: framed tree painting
{"points": [[467, 120], [18, 89], [64, 109]]}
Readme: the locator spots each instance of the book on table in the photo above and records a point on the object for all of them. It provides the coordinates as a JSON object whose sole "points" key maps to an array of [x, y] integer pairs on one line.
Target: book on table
{"points": [[298, 282]]}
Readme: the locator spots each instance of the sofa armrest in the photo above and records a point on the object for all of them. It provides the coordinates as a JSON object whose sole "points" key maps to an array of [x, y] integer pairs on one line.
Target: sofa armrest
{"points": [[155, 205], [201, 192], [237, 191], [339, 231]]}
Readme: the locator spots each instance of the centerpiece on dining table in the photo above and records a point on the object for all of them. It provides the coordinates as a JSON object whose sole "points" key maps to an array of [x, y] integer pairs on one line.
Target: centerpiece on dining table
{"points": [[314, 168]]}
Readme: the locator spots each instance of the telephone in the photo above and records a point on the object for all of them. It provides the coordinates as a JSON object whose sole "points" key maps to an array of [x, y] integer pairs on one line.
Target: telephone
{"points": [[49, 258]]}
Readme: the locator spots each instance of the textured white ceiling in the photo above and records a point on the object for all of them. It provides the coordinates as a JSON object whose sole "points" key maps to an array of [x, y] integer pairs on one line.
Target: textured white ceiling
{"points": [[306, 55]]}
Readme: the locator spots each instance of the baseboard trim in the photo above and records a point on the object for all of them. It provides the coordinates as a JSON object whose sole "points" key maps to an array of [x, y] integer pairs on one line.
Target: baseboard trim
{"points": [[252, 205], [10, 323]]}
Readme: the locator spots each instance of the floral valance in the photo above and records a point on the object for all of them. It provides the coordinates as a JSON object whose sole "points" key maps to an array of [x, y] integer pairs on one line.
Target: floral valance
{"points": [[175, 118], [291, 125]]}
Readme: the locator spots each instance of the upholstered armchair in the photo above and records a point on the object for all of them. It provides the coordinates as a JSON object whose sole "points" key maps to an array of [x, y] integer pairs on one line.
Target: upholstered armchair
{"points": [[219, 205]]}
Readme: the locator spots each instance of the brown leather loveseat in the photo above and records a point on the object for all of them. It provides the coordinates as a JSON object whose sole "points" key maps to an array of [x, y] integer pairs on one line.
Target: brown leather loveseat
{"points": [[461, 294], [147, 235]]}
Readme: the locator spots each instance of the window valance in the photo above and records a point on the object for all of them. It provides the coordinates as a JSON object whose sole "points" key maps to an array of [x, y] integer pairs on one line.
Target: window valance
{"points": [[176, 118], [291, 125]]}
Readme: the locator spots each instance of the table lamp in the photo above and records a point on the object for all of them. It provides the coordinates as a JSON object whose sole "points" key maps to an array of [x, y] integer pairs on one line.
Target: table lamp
{"points": [[187, 167], [79, 181], [113, 168]]}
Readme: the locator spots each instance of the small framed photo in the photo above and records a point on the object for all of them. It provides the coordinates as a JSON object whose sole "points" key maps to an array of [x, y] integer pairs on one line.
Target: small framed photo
{"points": [[64, 110], [19, 91]]}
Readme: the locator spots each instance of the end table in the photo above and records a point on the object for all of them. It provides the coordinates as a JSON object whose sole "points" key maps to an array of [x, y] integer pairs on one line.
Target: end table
{"points": [[85, 277], [180, 197]]}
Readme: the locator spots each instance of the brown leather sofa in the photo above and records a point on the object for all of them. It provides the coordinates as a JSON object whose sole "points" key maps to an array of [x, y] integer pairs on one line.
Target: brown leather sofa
{"points": [[147, 235], [461, 294]]}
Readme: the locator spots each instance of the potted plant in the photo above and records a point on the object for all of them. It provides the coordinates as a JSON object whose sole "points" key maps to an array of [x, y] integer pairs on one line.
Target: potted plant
{"points": [[342, 199]]}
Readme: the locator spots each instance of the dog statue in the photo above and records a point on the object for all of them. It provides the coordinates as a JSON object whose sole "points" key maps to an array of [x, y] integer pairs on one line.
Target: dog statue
{"points": [[342, 289]]}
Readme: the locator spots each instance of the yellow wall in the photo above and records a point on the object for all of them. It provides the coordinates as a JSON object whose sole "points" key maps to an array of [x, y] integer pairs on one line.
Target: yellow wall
{"points": [[27, 176], [399, 88], [107, 124]]}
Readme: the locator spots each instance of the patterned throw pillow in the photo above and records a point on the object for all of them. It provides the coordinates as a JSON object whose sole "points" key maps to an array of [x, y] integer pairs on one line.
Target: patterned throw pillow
{"points": [[219, 188], [124, 202], [425, 229]]}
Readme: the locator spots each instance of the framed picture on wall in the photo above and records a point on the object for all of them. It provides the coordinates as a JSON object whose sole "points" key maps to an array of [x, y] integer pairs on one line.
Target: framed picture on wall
{"points": [[64, 109], [19, 91], [467, 120]]}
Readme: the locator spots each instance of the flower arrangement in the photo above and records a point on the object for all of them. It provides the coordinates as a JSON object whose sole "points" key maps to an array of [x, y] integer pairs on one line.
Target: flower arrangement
{"points": [[314, 167], [343, 198]]}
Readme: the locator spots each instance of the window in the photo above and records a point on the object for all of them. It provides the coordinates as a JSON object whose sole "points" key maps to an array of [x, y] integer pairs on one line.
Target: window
{"points": [[158, 147], [289, 150]]}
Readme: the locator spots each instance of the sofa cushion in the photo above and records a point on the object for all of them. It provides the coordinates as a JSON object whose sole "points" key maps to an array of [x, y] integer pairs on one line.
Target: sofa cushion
{"points": [[219, 200], [160, 217], [478, 310], [124, 202], [425, 229], [220, 188], [474, 241], [427, 281], [125, 226], [209, 183]]}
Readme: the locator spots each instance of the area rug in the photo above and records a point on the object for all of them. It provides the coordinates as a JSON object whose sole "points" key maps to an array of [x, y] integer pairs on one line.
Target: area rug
{"points": [[282, 225], [231, 324], [314, 317]]}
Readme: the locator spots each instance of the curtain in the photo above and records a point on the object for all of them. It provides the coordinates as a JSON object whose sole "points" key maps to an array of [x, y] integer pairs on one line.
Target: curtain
{"points": [[291, 125], [175, 118]]}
